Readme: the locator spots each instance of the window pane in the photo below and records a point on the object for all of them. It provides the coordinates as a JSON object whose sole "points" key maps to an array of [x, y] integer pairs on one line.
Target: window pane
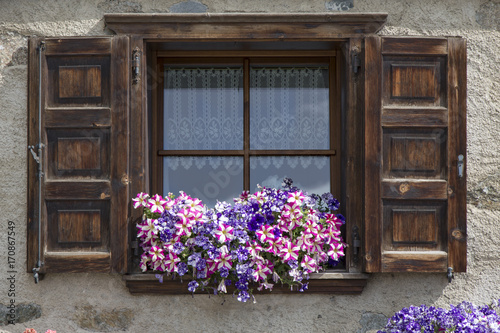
{"points": [[289, 108], [203, 108], [309, 173], [207, 178]]}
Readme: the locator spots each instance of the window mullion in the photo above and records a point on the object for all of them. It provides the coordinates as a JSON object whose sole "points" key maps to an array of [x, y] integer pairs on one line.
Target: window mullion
{"points": [[246, 124]]}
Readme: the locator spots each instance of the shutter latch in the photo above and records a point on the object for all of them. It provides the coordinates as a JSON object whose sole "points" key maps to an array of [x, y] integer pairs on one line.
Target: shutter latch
{"points": [[460, 165], [35, 155], [450, 274]]}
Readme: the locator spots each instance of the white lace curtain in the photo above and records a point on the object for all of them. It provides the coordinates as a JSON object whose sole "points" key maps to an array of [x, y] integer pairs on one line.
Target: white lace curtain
{"points": [[203, 110], [289, 108]]}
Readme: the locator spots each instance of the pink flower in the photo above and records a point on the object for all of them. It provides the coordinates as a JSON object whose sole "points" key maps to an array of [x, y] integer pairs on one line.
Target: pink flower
{"points": [[147, 229], [309, 264], [297, 197], [254, 248], [224, 260], [156, 204], [171, 262], [289, 251], [274, 246], [265, 233], [29, 330], [224, 233], [50, 331], [336, 251], [141, 200]]}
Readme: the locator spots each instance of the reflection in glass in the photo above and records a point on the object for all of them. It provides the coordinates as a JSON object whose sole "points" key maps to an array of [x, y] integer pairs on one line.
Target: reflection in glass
{"points": [[203, 108], [289, 108], [206, 178], [310, 173]]}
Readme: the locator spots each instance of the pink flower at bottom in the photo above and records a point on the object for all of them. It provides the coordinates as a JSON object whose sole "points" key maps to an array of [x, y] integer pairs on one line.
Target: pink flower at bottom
{"points": [[29, 330], [50, 331]]}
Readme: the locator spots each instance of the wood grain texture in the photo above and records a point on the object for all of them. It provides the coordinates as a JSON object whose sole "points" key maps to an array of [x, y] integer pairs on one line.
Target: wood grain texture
{"points": [[246, 26], [32, 197], [373, 153], [419, 181], [353, 157], [424, 262], [120, 136], [139, 147], [71, 262], [457, 212], [414, 45], [415, 117], [345, 285], [85, 132]]}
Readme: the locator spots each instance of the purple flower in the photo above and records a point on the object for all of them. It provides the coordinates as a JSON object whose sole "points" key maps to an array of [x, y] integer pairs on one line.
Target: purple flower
{"points": [[293, 264], [194, 258], [182, 268], [224, 272], [243, 296], [192, 286], [241, 285], [201, 264], [178, 248]]}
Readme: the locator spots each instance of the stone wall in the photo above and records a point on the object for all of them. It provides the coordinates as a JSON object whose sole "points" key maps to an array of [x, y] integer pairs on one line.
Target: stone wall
{"points": [[101, 303]]}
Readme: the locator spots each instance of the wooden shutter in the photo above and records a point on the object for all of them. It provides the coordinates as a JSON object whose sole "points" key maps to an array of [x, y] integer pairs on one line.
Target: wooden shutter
{"points": [[415, 113], [84, 122]]}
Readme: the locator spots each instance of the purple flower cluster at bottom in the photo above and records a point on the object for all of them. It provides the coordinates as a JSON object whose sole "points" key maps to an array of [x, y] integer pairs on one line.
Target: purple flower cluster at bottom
{"points": [[465, 317]]}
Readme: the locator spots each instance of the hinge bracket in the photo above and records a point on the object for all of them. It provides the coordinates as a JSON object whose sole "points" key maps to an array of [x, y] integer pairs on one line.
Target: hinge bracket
{"points": [[450, 274], [356, 63], [136, 65]]}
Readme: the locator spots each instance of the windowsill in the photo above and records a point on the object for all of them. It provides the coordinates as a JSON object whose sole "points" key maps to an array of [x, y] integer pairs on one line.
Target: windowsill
{"points": [[319, 283]]}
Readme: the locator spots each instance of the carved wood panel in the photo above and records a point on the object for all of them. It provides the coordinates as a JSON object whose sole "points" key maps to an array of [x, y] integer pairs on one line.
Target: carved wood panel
{"points": [[78, 81], [414, 153], [77, 153], [414, 225], [79, 225], [414, 81]]}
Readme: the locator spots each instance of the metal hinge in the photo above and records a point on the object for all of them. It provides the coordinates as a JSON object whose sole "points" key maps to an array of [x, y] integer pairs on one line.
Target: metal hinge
{"points": [[356, 62], [136, 65], [450, 274]]}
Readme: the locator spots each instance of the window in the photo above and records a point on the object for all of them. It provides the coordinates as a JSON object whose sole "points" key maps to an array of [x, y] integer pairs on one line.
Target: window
{"points": [[396, 121], [226, 124]]}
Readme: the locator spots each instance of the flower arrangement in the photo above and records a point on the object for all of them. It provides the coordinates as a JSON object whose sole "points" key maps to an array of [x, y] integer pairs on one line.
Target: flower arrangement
{"points": [[465, 317], [32, 330], [271, 236]]}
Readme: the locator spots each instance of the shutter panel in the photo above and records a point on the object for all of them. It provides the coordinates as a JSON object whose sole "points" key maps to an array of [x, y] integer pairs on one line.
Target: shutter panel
{"points": [[415, 131], [84, 122]]}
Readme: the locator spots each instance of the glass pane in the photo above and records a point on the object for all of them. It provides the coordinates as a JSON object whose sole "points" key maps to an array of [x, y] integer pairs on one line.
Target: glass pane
{"points": [[289, 108], [207, 178], [203, 108], [309, 173]]}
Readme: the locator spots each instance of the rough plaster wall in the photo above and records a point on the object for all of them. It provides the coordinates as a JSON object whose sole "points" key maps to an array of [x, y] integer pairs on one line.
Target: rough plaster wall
{"points": [[100, 302]]}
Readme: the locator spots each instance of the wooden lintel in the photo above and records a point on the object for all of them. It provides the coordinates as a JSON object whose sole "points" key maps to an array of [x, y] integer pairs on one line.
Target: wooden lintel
{"points": [[245, 26]]}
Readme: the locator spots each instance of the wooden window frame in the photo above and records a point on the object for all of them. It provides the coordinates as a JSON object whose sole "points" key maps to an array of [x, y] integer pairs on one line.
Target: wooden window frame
{"points": [[149, 32]]}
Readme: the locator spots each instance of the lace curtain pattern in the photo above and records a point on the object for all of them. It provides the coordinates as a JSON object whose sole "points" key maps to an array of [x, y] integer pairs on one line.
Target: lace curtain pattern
{"points": [[203, 110], [289, 108]]}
